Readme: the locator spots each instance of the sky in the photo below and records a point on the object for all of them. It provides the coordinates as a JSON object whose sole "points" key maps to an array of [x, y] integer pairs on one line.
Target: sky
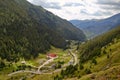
{"points": [[80, 9]]}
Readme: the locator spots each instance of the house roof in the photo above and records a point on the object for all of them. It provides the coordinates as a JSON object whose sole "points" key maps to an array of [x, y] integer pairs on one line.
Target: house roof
{"points": [[51, 55]]}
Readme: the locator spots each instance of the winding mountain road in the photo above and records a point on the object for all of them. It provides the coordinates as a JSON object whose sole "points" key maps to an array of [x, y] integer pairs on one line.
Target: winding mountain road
{"points": [[47, 62]]}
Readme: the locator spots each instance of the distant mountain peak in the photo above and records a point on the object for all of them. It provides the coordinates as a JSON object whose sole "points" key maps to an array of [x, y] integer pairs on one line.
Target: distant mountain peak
{"points": [[96, 27]]}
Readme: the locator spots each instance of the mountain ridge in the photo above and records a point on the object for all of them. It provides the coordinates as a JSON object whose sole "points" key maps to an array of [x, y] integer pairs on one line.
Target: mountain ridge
{"points": [[66, 29], [95, 27], [22, 34]]}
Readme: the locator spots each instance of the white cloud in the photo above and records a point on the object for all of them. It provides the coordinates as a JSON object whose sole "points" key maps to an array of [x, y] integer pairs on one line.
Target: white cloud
{"points": [[80, 9]]}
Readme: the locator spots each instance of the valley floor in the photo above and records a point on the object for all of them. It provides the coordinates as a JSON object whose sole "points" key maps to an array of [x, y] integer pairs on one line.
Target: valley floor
{"points": [[106, 68], [41, 68]]}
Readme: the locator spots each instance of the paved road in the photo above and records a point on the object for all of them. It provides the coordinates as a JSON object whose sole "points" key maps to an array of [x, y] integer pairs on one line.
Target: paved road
{"points": [[23, 71], [74, 57], [47, 62], [34, 72]]}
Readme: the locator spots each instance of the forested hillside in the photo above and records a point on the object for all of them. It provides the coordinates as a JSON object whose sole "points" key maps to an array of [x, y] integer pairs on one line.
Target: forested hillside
{"points": [[93, 47], [61, 26], [25, 31], [98, 59], [21, 36]]}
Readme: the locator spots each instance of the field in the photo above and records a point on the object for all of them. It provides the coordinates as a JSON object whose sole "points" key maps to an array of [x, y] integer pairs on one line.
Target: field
{"points": [[63, 58]]}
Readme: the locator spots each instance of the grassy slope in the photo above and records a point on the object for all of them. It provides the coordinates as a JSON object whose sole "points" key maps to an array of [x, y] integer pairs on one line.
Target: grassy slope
{"points": [[106, 68], [112, 73]]}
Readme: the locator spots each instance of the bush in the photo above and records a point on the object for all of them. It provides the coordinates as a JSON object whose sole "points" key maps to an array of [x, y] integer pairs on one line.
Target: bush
{"points": [[94, 61], [81, 66], [87, 71]]}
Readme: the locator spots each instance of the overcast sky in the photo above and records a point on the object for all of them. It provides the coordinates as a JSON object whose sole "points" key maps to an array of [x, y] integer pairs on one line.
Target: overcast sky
{"points": [[80, 9]]}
